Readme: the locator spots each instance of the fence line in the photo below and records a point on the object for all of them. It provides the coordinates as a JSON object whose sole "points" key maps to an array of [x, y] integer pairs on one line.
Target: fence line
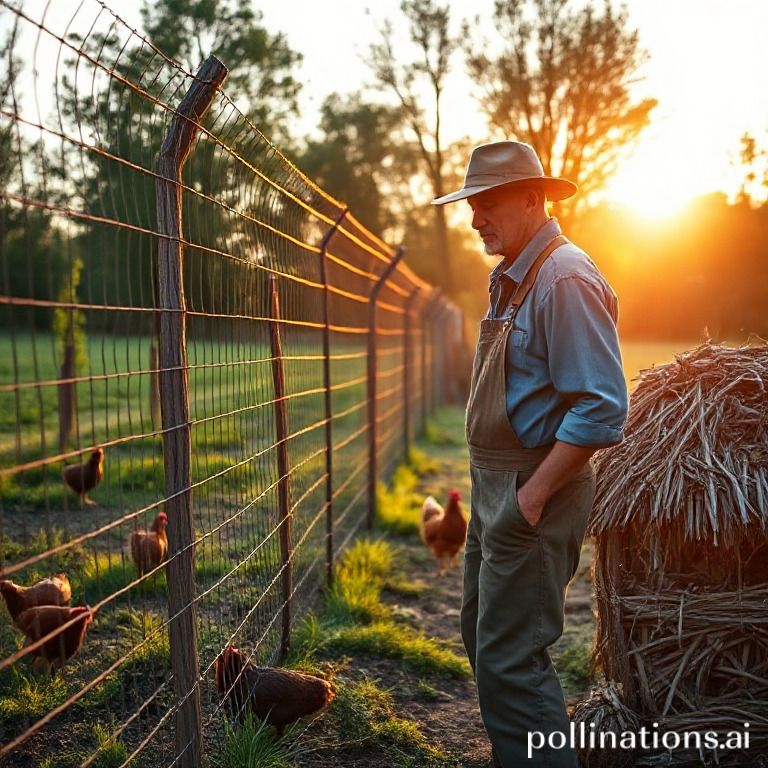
{"points": [[222, 343]]}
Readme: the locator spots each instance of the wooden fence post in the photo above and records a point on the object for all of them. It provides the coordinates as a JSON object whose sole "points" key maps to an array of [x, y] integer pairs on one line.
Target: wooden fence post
{"points": [[284, 481], [154, 383], [174, 402], [372, 373]]}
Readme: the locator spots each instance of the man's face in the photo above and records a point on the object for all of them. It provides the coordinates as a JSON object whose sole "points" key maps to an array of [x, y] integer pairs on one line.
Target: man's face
{"points": [[501, 217]]}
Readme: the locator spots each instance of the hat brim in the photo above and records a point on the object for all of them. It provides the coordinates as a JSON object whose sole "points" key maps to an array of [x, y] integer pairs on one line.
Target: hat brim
{"points": [[554, 188]]}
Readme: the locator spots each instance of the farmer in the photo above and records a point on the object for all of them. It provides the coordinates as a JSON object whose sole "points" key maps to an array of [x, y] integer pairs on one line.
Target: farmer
{"points": [[547, 391]]}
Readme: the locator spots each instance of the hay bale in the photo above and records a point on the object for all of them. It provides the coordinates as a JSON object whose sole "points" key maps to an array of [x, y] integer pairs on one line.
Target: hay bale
{"points": [[696, 448], [605, 710]]}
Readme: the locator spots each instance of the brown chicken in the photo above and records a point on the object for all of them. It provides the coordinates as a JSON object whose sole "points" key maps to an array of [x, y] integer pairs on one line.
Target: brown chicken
{"points": [[41, 620], [279, 696], [443, 530], [83, 478], [149, 548], [53, 591]]}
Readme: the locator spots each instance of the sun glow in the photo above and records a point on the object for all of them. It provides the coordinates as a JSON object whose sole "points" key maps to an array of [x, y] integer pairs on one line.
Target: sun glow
{"points": [[649, 197], [651, 186]]}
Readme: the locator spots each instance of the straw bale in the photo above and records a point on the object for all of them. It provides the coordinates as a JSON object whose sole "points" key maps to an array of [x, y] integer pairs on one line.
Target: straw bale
{"points": [[696, 448]]}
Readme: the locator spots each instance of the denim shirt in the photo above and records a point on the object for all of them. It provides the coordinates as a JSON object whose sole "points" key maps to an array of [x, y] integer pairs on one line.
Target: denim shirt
{"points": [[564, 376]]}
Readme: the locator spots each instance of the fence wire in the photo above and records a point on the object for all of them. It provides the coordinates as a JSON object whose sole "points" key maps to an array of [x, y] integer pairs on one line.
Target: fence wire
{"points": [[85, 106]]}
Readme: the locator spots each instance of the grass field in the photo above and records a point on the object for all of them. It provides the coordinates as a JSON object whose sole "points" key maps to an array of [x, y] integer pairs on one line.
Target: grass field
{"points": [[637, 355]]}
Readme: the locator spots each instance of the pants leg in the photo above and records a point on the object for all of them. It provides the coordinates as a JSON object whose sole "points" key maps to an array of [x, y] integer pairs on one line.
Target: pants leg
{"points": [[472, 559], [522, 576]]}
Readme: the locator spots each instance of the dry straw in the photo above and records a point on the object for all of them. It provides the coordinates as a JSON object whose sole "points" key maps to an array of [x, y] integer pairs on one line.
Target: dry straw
{"points": [[681, 550]]}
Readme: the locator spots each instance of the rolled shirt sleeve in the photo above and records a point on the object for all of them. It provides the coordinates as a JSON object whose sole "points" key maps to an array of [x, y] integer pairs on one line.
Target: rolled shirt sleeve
{"points": [[585, 360]]}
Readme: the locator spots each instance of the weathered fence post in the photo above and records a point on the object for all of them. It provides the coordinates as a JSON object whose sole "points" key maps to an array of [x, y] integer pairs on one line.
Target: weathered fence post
{"points": [[372, 372], [407, 366], [174, 400], [426, 341], [328, 405], [154, 383], [284, 481]]}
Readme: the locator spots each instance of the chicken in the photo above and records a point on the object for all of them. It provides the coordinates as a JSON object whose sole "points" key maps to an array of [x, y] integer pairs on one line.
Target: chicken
{"points": [[41, 620], [83, 478], [443, 530], [279, 696], [53, 591], [149, 548]]}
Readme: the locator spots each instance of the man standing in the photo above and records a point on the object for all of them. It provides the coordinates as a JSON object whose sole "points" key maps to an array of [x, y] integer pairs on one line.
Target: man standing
{"points": [[547, 391]]}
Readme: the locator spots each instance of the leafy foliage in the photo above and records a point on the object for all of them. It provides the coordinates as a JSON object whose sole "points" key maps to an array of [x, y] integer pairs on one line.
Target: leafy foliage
{"points": [[563, 83]]}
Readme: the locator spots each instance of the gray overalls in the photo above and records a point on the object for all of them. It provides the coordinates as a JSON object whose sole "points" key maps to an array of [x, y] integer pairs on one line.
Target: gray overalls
{"points": [[516, 574]]}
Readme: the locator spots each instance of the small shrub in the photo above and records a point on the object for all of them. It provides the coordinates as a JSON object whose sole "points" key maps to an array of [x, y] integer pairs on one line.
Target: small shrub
{"points": [[365, 716], [26, 696], [111, 752], [422, 654], [572, 665], [435, 435], [253, 745], [426, 691]]}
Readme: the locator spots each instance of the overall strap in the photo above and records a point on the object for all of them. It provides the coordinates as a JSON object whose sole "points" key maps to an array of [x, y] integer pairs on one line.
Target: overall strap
{"points": [[530, 276]]}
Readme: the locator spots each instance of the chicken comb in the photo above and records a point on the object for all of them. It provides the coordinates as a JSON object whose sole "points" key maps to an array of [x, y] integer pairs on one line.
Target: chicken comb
{"points": [[454, 494]]}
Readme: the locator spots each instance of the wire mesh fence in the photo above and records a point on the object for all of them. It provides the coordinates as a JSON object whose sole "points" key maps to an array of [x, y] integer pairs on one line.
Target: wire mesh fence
{"points": [[206, 364]]}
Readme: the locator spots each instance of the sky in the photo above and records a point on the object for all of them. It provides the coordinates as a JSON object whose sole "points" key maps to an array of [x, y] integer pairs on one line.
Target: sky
{"points": [[706, 67]]}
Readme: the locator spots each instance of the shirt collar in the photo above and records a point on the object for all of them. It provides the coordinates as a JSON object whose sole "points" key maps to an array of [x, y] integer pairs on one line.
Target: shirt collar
{"points": [[540, 240]]}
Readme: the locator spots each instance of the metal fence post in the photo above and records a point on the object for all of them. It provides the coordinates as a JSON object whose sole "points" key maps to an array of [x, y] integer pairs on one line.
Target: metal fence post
{"points": [[407, 373], [425, 342], [284, 481], [174, 400], [439, 356], [328, 405], [372, 372]]}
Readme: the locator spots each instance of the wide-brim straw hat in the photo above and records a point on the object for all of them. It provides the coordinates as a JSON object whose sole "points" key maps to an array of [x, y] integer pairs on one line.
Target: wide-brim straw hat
{"points": [[507, 162]]}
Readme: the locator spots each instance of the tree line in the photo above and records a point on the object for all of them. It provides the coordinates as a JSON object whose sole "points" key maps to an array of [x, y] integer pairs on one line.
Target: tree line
{"points": [[557, 74]]}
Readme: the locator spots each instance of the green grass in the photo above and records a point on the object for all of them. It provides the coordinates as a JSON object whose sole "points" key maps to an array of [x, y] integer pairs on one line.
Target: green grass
{"points": [[387, 639], [26, 696], [572, 664], [398, 507], [254, 745], [110, 751], [356, 621], [119, 407], [426, 691], [356, 592], [436, 435], [637, 355], [405, 588], [364, 716]]}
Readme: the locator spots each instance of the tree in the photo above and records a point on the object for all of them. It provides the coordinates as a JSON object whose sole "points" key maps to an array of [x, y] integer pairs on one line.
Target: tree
{"points": [[429, 32], [562, 83], [116, 182], [753, 160], [33, 252], [261, 64]]}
